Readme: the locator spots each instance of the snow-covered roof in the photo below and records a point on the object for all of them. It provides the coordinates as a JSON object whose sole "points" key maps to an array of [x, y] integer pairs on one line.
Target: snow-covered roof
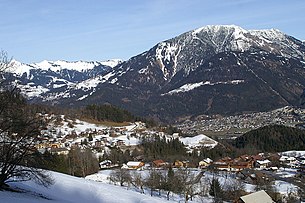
{"points": [[208, 160], [133, 163], [257, 197], [263, 162]]}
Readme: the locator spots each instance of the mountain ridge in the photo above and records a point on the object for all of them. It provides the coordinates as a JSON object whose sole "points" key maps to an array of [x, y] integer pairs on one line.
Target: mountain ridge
{"points": [[212, 69]]}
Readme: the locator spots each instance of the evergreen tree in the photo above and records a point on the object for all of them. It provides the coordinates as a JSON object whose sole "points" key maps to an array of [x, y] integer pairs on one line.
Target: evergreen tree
{"points": [[215, 189]]}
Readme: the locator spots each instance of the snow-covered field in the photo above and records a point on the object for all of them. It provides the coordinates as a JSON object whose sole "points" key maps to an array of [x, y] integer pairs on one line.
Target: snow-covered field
{"points": [[225, 179], [69, 189]]}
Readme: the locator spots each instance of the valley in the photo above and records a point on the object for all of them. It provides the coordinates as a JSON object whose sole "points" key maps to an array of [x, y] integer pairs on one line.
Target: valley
{"points": [[215, 107]]}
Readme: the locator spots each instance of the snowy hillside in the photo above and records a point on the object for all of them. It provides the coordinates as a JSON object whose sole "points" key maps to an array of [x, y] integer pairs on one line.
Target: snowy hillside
{"points": [[198, 141], [69, 189]]}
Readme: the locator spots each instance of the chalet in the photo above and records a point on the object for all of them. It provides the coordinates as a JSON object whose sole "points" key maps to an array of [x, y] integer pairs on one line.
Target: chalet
{"points": [[178, 164], [135, 164], [240, 165], [60, 151], [175, 135], [105, 164], [256, 197], [257, 157], [205, 163], [223, 164], [158, 163], [263, 164], [246, 175]]}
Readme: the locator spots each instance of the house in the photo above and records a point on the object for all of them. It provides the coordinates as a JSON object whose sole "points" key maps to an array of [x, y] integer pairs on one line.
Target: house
{"points": [[240, 165], [223, 164], [175, 135], [135, 164], [263, 164], [60, 151], [159, 163], [105, 164], [256, 197], [247, 175], [205, 163], [178, 164]]}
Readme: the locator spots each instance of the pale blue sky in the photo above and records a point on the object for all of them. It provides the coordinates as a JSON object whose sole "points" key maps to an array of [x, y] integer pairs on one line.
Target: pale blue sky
{"points": [[35, 30]]}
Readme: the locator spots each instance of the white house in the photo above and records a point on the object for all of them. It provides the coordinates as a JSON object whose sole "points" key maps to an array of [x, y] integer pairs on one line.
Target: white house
{"points": [[263, 164]]}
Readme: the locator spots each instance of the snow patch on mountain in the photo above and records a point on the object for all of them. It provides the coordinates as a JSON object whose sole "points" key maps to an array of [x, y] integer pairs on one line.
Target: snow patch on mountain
{"points": [[89, 84], [31, 90], [165, 53], [191, 86], [112, 63], [235, 38], [55, 66]]}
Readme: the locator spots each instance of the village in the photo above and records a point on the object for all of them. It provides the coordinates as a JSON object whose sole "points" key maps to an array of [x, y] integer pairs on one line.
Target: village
{"points": [[63, 134], [238, 124]]}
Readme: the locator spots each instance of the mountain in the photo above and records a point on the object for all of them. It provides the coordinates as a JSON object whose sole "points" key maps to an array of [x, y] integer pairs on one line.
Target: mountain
{"points": [[222, 69], [51, 79]]}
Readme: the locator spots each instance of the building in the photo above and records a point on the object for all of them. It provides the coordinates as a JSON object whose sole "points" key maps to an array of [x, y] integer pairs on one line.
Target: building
{"points": [[205, 163], [256, 197], [135, 164], [60, 151], [158, 163], [263, 164]]}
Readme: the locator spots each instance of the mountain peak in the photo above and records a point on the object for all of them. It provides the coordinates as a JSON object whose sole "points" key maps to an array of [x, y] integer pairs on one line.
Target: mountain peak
{"points": [[216, 28]]}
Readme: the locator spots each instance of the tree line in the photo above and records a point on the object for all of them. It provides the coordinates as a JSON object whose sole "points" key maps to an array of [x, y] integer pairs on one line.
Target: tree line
{"points": [[157, 147], [273, 138]]}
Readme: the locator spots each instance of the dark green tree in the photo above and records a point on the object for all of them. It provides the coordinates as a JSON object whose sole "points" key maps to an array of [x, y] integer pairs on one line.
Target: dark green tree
{"points": [[216, 189]]}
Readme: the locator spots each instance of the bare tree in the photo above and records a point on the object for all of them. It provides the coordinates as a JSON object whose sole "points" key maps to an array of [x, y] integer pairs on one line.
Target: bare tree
{"points": [[121, 176], [6, 64], [153, 181], [234, 189], [138, 181], [20, 128], [82, 162]]}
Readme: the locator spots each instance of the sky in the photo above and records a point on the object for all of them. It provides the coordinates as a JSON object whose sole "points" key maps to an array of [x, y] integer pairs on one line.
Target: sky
{"points": [[96, 30]]}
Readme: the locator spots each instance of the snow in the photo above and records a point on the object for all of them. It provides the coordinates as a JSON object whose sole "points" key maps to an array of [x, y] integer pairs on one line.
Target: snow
{"points": [[21, 68], [89, 84], [293, 153], [112, 63], [198, 140], [69, 189], [191, 86], [166, 52], [284, 187], [235, 38], [32, 91]]}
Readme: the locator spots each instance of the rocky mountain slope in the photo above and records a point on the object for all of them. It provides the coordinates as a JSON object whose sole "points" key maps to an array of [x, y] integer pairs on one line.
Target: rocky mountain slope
{"points": [[210, 70]]}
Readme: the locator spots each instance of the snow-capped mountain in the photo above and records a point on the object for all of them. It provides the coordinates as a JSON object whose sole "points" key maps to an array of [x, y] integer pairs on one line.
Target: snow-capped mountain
{"points": [[221, 69], [39, 80]]}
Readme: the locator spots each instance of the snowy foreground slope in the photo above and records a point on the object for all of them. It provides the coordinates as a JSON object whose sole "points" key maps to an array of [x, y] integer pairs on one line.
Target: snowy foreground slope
{"points": [[69, 189]]}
